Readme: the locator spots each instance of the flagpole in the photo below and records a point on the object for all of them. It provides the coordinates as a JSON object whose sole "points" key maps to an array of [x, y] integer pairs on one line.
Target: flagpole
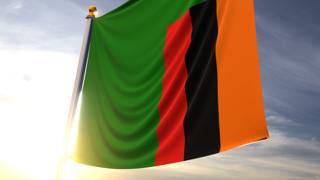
{"points": [[78, 85]]}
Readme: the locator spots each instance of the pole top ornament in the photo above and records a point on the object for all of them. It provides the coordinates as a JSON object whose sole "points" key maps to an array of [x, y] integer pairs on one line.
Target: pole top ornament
{"points": [[93, 11]]}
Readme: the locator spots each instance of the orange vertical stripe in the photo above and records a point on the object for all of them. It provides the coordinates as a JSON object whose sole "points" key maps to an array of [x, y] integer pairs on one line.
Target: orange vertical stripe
{"points": [[173, 102], [241, 109]]}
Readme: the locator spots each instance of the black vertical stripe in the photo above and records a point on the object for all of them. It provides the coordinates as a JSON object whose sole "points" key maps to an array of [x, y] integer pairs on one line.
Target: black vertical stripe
{"points": [[201, 125]]}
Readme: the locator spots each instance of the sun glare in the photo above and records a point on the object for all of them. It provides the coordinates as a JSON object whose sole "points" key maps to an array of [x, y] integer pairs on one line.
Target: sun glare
{"points": [[96, 13], [35, 94], [73, 129]]}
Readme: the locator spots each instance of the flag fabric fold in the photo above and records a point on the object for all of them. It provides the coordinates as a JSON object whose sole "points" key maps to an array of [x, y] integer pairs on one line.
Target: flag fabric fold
{"points": [[169, 81]]}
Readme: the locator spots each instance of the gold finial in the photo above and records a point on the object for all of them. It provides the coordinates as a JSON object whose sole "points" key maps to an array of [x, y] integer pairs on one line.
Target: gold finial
{"points": [[92, 11]]}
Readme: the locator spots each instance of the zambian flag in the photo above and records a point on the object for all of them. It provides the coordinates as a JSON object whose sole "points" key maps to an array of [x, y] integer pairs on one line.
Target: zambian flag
{"points": [[168, 81]]}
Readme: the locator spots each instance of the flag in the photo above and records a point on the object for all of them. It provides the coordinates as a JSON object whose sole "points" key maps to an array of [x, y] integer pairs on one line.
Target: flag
{"points": [[168, 81]]}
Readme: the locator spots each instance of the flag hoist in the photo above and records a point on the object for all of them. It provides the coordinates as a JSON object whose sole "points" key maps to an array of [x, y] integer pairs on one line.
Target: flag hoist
{"points": [[78, 85]]}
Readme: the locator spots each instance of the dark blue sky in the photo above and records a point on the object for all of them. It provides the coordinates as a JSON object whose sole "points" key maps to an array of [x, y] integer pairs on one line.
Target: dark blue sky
{"points": [[289, 48], [289, 38]]}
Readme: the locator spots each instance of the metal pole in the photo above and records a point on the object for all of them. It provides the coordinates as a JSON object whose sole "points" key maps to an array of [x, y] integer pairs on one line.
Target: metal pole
{"points": [[78, 85]]}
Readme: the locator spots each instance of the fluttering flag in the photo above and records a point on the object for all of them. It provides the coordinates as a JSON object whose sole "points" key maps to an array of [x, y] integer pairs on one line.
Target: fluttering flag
{"points": [[168, 81]]}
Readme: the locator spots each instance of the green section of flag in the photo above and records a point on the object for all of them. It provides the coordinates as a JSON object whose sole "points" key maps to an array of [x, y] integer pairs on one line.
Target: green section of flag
{"points": [[123, 84]]}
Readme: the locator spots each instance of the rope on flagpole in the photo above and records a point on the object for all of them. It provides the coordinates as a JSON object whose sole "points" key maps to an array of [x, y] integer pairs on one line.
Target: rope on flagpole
{"points": [[78, 85]]}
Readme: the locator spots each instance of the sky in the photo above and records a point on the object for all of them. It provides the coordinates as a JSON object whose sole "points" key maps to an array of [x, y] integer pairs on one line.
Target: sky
{"points": [[40, 43]]}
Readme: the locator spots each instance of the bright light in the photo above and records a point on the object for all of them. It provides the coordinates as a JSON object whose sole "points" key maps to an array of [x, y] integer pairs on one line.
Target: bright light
{"points": [[35, 94], [74, 128], [96, 13]]}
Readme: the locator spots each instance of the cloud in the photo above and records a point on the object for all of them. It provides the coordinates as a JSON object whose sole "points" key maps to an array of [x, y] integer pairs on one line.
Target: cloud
{"points": [[13, 7], [297, 64], [276, 120], [46, 25], [290, 63]]}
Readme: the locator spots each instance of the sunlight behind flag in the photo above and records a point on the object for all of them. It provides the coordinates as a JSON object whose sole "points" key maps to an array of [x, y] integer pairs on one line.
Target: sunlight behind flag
{"points": [[33, 107], [74, 128]]}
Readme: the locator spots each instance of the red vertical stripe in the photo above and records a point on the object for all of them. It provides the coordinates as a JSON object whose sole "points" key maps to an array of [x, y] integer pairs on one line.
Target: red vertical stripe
{"points": [[173, 103]]}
